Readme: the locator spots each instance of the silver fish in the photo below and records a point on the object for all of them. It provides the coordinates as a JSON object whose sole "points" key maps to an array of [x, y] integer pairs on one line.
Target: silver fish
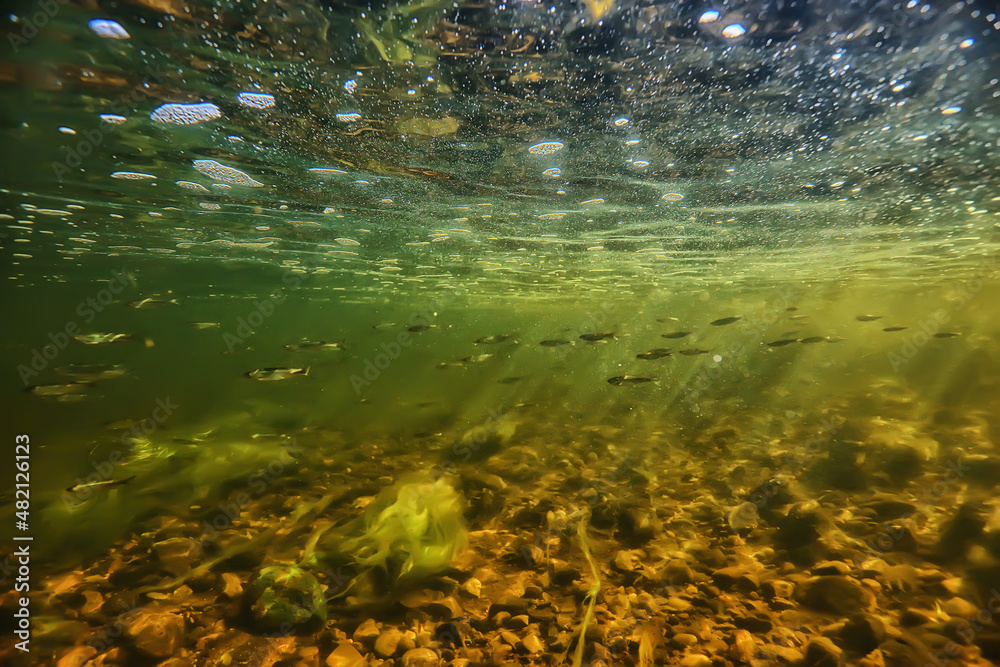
{"points": [[59, 389], [92, 372], [272, 374], [151, 302], [492, 340], [98, 486], [102, 338], [199, 326], [620, 380], [305, 345]]}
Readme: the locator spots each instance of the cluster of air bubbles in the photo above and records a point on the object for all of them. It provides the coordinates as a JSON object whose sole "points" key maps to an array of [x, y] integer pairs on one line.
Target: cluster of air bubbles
{"points": [[221, 172], [546, 148], [190, 185], [108, 29], [185, 114], [131, 176], [112, 119], [256, 100], [554, 172], [731, 31], [348, 117]]}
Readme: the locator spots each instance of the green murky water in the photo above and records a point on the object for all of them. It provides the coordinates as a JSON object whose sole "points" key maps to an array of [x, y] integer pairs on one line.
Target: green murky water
{"points": [[781, 215]]}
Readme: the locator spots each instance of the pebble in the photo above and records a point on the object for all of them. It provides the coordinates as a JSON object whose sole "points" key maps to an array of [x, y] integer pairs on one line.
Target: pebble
{"points": [[862, 633], [683, 639], [678, 572], [779, 588], [744, 647], [822, 652], [532, 644], [232, 586], [695, 660], [960, 607], [831, 567], [785, 654], [624, 561], [420, 657], [387, 642], [177, 554], [837, 595], [678, 604], [366, 633], [156, 634], [77, 656], [345, 655]]}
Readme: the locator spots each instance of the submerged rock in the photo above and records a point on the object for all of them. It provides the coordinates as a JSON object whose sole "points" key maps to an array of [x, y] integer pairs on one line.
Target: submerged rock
{"points": [[821, 652], [286, 598], [156, 634], [837, 595], [862, 633]]}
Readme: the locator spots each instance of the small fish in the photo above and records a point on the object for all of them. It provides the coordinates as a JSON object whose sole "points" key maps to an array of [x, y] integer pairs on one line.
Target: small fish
{"points": [[555, 343], [655, 353], [947, 334], [444, 365], [59, 389], [417, 328], [693, 351], [492, 340], [70, 398], [304, 345], [98, 486], [895, 328], [510, 380], [271, 374], [92, 372], [783, 342], [868, 318], [102, 338], [478, 358], [200, 326], [791, 309], [813, 339], [594, 337], [620, 380], [676, 334], [666, 319], [724, 321], [382, 326], [151, 302]]}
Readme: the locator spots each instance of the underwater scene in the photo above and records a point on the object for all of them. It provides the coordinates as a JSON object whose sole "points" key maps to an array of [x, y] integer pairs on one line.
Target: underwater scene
{"points": [[500, 332]]}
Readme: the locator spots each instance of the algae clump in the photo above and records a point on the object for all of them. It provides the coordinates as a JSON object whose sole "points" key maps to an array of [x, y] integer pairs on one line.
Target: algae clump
{"points": [[410, 531]]}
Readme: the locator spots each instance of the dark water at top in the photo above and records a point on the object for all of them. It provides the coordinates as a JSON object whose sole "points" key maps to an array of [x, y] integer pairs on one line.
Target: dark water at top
{"points": [[407, 179]]}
